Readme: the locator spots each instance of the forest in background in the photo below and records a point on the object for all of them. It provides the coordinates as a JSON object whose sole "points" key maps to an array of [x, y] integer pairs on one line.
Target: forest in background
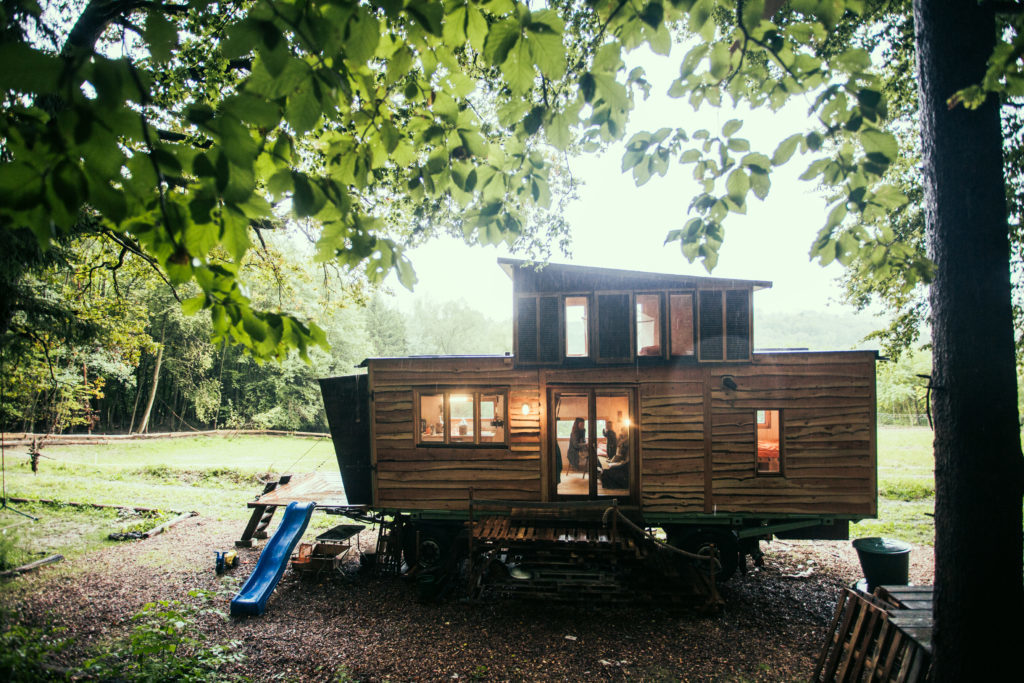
{"points": [[135, 359], [146, 364]]}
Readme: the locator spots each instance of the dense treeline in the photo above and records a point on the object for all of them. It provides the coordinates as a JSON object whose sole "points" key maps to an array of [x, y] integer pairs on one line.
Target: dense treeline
{"points": [[120, 355]]}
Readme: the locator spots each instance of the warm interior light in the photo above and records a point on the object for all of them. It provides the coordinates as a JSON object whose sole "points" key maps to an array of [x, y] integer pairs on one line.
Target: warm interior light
{"points": [[625, 422], [526, 409]]}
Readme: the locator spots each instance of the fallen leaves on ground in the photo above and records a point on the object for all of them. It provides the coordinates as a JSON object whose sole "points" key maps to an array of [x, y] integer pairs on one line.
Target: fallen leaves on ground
{"points": [[354, 626]]}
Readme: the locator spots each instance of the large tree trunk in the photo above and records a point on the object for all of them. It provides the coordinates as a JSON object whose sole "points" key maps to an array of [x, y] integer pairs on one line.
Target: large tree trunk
{"points": [[144, 425], [978, 466]]}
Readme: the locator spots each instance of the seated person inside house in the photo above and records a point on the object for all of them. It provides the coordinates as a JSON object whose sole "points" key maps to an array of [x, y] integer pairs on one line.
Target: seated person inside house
{"points": [[616, 475], [622, 449]]}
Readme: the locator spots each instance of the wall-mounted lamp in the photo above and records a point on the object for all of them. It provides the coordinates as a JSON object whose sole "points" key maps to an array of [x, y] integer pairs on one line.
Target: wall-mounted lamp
{"points": [[526, 409]]}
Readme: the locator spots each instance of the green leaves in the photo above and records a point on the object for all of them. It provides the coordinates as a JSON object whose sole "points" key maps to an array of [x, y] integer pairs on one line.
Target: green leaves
{"points": [[303, 110], [500, 40], [719, 59], [362, 119], [28, 70], [161, 35], [737, 185], [879, 146]]}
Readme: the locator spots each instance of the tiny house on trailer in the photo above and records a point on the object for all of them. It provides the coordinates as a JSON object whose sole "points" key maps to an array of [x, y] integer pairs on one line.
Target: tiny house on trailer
{"points": [[632, 389]]}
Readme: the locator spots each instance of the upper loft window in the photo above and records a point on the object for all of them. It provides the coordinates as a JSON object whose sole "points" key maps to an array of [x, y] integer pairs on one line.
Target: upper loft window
{"points": [[614, 327], [576, 327], [648, 325], [623, 326], [463, 417], [538, 336], [724, 324], [681, 320]]}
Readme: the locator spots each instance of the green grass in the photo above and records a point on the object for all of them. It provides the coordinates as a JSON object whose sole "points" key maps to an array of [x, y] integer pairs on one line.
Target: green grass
{"points": [[906, 487], [215, 476], [211, 475], [70, 531]]}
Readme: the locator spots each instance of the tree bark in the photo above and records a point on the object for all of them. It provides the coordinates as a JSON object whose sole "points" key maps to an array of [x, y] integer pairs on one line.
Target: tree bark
{"points": [[978, 466], [138, 393], [144, 425]]}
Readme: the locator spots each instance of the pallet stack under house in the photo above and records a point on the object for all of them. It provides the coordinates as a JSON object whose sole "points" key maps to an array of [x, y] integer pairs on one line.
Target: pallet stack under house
{"points": [[638, 388]]}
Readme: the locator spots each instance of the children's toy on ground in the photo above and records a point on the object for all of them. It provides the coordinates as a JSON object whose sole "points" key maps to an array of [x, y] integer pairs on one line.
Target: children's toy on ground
{"points": [[226, 559]]}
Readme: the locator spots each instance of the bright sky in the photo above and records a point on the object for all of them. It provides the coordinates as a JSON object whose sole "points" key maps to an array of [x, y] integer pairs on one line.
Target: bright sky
{"points": [[618, 225]]}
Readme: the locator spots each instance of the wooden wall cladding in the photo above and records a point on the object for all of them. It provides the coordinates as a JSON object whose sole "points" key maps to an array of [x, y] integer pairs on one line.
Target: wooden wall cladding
{"points": [[828, 431], [439, 478], [672, 444], [696, 436]]}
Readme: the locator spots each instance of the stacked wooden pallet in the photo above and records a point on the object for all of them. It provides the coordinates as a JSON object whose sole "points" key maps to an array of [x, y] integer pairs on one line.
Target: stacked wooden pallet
{"points": [[881, 637]]}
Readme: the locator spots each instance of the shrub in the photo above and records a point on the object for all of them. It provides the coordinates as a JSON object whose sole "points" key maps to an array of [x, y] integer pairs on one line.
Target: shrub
{"points": [[24, 651], [162, 647]]}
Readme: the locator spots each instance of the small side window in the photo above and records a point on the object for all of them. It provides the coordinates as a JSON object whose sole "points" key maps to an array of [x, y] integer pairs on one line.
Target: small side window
{"points": [[769, 441], [460, 426], [492, 418], [431, 418]]}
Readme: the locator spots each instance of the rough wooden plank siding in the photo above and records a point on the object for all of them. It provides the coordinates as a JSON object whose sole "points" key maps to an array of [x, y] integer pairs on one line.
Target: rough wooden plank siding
{"points": [[438, 478], [828, 432], [827, 401], [672, 441]]}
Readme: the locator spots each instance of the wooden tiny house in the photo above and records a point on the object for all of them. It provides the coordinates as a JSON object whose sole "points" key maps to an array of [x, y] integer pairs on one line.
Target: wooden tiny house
{"points": [[684, 425]]}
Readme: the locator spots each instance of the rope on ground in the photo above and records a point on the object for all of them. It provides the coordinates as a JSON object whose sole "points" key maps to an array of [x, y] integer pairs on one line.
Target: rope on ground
{"points": [[654, 539]]}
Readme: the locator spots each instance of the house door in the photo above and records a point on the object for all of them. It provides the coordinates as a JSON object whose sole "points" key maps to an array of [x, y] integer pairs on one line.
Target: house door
{"points": [[594, 442]]}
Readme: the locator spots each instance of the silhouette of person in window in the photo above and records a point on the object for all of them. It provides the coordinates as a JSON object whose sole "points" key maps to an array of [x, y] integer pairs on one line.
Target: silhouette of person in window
{"points": [[577, 444]]}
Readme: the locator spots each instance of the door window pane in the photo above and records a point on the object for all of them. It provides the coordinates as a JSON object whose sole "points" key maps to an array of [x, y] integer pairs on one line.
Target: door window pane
{"points": [[576, 320], [571, 453], [648, 325], [681, 314], [614, 445]]}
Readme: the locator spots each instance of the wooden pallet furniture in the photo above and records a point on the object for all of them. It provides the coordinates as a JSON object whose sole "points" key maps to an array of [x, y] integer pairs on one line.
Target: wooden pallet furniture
{"points": [[881, 637], [323, 488]]}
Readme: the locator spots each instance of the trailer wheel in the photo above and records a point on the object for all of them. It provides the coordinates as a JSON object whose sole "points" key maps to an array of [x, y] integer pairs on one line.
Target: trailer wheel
{"points": [[705, 541], [427, 546]]}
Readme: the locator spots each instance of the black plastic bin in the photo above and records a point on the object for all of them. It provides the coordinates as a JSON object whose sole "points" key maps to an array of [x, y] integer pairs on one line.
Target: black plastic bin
{"points": [[885, 561]]}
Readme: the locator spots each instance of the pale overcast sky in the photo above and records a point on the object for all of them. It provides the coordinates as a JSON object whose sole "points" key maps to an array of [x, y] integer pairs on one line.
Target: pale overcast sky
{"points": [[618, 225]]}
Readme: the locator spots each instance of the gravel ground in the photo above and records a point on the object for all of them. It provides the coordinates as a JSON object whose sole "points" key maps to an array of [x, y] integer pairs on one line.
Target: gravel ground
{"points": [[372, 629]]}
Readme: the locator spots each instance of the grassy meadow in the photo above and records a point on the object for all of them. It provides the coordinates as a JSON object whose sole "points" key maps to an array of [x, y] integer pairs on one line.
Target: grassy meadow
{"points": [[212, 475], [906, 487], [217, 475]]}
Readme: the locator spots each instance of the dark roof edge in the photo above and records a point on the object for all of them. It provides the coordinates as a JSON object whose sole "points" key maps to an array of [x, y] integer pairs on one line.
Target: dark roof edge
{"points": [[510, 264], [437, 356]]}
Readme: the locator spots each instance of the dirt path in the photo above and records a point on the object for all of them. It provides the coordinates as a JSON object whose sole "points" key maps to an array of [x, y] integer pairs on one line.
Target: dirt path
{"points": [[370, 629]]}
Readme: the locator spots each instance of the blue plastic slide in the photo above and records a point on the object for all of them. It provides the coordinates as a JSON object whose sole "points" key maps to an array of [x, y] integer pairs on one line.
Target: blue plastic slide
{"points": [[252, 598]]}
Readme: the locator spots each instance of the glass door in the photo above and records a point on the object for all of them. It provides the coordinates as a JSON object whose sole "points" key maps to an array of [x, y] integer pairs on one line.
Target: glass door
{"points": [[594, 442]]}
